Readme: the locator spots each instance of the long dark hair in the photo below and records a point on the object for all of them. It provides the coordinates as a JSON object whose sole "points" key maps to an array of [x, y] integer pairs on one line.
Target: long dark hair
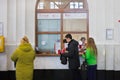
{"points": [[91, 45]]}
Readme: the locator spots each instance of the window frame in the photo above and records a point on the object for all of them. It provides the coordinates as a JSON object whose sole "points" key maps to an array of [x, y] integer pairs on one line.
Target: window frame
{"points": [[61, 11]]}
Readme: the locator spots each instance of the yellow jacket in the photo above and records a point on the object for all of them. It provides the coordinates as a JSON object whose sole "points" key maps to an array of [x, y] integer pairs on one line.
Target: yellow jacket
{"points": [[24, 57]]}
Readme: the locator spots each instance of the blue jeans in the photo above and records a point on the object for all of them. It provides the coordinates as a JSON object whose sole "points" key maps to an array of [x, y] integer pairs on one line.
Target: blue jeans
{"points": [[91, 72]]}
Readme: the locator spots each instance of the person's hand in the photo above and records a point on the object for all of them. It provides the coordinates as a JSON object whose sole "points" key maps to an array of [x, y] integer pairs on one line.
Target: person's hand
{"points": [[81, 50], [80, 53], [63, 50]]}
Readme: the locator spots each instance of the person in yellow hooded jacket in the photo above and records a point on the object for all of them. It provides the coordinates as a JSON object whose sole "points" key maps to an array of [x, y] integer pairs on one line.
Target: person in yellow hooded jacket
{"points": [[24, 57]]}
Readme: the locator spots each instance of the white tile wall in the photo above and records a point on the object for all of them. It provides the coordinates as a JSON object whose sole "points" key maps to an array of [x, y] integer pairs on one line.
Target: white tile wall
{"points": [[101, 57], [108, 59], [3, 62], [49, 63], [117, 58]]}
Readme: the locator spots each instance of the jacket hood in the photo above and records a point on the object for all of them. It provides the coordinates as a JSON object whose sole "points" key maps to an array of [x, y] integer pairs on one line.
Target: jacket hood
{"points": [[26, 47]]}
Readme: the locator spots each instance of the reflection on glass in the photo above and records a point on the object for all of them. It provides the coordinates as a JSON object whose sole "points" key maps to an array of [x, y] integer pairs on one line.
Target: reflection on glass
{"points": [[71, 5], [51, 5], [54, 4], [80, 4], [41, 5], [46, 42], [81, 7], [48, 25], [76, 5]]}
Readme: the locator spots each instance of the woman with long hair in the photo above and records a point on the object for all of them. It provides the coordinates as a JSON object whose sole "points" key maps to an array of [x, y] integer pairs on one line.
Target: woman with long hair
{"points": [[91, 59]]}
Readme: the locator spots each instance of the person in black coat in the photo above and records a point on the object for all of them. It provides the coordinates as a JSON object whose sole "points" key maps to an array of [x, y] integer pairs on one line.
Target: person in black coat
{"points": [[73, 56]]}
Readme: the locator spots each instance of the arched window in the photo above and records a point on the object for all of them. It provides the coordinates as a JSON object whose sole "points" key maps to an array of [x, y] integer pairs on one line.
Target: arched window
{"points": [[55, 18]]}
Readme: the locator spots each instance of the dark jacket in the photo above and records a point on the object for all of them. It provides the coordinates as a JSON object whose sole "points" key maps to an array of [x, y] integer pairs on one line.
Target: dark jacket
{"points": [[73, 54]]}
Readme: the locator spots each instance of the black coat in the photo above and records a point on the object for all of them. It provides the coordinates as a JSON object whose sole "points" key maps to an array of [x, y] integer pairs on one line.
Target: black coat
{"points": [[73, 54]]}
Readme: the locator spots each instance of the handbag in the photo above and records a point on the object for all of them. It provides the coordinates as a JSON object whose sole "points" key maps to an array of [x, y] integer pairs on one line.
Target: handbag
{"points": [[63, 59], [15, 64], [84, 65]]}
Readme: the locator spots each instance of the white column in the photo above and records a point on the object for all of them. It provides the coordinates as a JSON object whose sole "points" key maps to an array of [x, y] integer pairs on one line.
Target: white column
{"points": [[100, 21], [92, 18], [117, 58], [11, 32], [3, 15], [3, 20], [101, 57], [20, 24], [117, 33], [109, 19], [116, 18], [11, 29], [30, 20]]}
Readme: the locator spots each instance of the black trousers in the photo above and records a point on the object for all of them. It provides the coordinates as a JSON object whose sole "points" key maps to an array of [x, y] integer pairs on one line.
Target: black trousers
{"points": [[75, 73], [91, 72]]}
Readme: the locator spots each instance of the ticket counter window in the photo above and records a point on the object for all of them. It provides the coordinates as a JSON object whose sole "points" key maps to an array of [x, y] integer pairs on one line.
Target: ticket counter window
{"points": [[55, 18], [47, 42]]}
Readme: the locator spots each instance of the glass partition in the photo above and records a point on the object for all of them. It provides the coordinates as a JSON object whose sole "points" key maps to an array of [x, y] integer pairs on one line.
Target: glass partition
{"points": [[55, 18], [75, 22], [47, 42], [48, 25]]}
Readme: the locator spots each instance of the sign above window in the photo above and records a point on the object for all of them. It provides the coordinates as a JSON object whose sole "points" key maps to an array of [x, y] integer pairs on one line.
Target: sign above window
{"points": [[75, 15], [48, 16]]}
